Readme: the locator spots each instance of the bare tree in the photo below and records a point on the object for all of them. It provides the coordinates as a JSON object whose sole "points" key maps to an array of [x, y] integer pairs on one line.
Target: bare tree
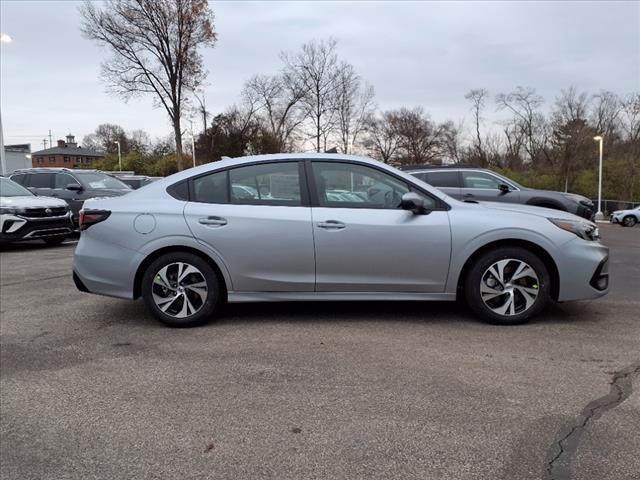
{"points": [[278, 99], [605, 114], [572, 134], [524, 104], [315, 69], [154, 46], [104, 138], [478, 98], [382, 139], [354, 106]]}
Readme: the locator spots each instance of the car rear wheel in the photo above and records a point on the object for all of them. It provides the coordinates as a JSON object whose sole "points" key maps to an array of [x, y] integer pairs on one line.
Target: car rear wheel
{"points": [[629, 221], [181, 289], [507, 286]]}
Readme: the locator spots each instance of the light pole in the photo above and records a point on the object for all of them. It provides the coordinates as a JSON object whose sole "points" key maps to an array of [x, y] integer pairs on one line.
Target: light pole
{"points": [[599, 215], [117, 142], [4, 38]]}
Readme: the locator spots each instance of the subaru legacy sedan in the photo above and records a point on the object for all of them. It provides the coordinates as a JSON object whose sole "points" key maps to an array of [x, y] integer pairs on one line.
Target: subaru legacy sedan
{"points": [[295, 227]]}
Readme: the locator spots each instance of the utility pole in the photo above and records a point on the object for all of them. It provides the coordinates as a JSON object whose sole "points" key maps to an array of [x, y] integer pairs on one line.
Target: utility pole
{"points": [[50, 141], [44, 143], [193, 145]]}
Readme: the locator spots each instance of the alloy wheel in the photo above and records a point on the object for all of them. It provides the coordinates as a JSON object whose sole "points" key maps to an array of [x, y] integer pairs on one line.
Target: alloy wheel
{"points": [[179, 289], [509, 287]]}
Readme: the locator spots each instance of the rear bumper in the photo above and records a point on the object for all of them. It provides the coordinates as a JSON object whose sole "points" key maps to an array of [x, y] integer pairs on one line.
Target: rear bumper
{"points": [[104, 268]]}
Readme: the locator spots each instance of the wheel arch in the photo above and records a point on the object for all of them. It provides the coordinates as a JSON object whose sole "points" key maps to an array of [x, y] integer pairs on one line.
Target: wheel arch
{"points": [[546, 258], [137, 283], [546, 203]]}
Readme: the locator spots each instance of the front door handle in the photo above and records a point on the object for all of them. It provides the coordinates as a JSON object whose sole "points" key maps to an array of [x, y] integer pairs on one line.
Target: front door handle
{"points": [[213, 221], [331, 225], [468, 195]]}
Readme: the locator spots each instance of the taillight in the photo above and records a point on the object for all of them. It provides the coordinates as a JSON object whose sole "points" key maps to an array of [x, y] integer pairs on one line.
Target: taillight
{"points": [[91, 217]]}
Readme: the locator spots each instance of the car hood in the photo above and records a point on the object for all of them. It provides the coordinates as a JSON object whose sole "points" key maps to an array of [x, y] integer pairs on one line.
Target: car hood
{"points": [[29, 201], [624, 212], [108, 192], [530, 209]]}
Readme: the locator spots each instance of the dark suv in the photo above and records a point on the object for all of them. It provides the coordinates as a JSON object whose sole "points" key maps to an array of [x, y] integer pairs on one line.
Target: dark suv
{"points": [[74, 186], [479, 184]]}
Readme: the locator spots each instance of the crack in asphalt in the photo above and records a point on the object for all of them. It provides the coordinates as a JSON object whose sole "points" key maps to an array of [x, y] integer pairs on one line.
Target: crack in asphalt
{"points": [[561, 452]]}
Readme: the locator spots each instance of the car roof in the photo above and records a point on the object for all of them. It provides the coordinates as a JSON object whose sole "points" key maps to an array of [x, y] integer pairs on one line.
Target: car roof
{"points": [[233, 162], [53, 169]]}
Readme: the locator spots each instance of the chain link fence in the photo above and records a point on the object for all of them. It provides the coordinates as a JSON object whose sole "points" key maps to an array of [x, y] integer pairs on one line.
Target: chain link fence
{"points": [[610, 206]]}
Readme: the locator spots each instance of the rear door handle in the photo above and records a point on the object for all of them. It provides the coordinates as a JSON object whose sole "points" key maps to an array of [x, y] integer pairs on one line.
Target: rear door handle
{"points": [[468, 195], [331, 225], [213, 221]]}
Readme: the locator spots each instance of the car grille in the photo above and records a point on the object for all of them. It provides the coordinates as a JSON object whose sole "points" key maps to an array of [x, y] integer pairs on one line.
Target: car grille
{"points": [[44, 212]]}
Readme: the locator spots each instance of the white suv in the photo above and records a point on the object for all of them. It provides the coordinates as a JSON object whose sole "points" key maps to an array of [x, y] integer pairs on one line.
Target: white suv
{"points": [[25, 216]]}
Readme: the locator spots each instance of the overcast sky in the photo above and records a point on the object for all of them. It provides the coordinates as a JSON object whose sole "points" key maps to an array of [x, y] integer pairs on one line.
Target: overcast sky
{"points": [[414, 53]]}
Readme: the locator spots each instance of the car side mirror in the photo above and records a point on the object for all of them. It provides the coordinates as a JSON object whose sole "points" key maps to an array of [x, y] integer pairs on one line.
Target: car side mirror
{"points": [[74, 187], [504, 188], [414, 203]]}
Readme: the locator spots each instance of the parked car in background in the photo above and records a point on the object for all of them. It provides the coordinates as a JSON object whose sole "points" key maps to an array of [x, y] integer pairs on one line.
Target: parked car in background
{"points": [[136, 181], [626, 218], [329, 227], [71, 185], [479, 184], [25, 216]]}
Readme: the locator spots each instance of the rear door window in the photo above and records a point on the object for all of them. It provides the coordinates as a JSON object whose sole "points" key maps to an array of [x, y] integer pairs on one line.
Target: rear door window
{"points": [[41, 180], [266, 184], [212, 188], [443, 179]]}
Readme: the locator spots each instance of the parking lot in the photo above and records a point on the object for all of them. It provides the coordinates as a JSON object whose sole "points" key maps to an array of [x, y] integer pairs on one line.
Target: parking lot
{"points": [[93, 387]]}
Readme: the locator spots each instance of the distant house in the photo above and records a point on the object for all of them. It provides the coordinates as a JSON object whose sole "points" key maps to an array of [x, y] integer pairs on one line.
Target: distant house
{"points": [[67, 154], [17, 156]]}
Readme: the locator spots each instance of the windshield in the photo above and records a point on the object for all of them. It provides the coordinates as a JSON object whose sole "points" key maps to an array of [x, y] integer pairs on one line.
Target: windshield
{"points": [[100, 181], [9, 188]]}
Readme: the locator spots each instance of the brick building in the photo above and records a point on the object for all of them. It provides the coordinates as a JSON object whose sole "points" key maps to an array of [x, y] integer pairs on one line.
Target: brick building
{"points": [[67, 154]]}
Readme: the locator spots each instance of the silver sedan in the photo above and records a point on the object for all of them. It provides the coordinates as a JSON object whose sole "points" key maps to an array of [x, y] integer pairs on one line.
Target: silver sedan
{"points": [[295, 227]]}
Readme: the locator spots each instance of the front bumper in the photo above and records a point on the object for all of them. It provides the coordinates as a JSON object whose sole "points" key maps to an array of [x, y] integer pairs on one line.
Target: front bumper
{"points": [[583, 268], [15, 228]]}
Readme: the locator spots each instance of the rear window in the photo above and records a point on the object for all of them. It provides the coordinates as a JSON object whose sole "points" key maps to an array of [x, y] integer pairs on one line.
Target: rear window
{"points": [[212, 188], [442, 179]]}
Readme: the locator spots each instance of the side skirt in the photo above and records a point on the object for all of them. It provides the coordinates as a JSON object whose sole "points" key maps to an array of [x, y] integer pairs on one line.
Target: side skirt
{"points": [[246, 297]]}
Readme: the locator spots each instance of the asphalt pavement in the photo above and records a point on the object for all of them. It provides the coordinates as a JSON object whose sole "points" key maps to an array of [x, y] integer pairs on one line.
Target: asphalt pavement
{"points": [[93, 388]]}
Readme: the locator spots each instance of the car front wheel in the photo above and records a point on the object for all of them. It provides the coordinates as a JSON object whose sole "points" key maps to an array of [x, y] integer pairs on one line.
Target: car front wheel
{"points": [[181, 289], [507, 286]]}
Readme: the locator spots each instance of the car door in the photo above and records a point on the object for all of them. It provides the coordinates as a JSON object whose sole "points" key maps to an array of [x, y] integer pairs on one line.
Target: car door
{"points": [[364, 241], [72, 197], [483, 186], [258, 220]]}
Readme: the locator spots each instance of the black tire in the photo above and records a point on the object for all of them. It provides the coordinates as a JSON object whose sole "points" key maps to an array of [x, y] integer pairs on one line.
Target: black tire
{"points": [[474, 277], [53, 241], [628, 221], [207, 308]]}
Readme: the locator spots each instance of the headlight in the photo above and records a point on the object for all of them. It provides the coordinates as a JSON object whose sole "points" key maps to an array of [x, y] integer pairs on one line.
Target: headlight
{"points": [[581, 228], [9, 210]]}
